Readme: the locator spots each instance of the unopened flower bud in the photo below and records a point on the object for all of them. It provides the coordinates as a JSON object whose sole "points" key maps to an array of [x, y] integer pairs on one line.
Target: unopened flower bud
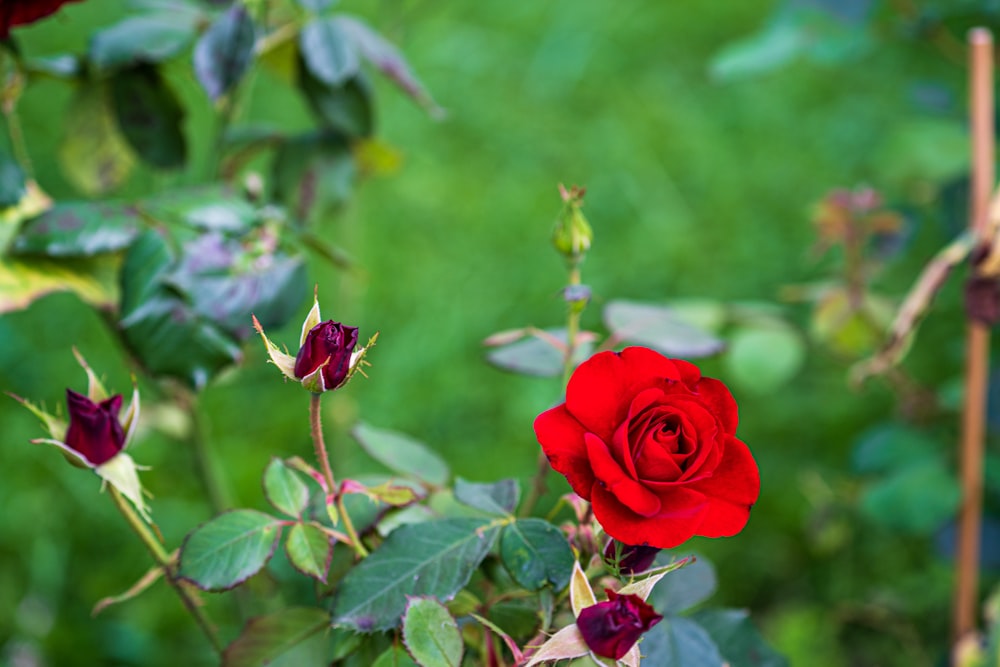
{"points": [[572, 234], [611, 628], [94, 430], [327, 348], [327, 357], [628, 559]]}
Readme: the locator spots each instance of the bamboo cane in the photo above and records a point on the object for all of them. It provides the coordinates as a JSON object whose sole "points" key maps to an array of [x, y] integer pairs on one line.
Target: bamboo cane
{"points": [[981, 102]]}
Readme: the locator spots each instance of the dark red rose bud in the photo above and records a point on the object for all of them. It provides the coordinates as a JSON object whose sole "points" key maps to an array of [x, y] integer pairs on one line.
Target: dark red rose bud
{"points": [[94, 430], [630, 559], [982, 299], [22, 12], [330, 343], [611, 628]]}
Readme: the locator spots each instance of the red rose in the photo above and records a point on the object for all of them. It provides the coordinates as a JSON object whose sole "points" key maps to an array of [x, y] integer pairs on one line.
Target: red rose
{"points": [[22, 12], [652, 445]]}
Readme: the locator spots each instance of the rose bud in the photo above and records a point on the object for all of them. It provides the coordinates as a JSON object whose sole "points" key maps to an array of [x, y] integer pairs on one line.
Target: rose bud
{"points": [[95, 437], [327, 348], [326, 359], [611, 628], [628, 559], [572, 234], [94, 430]]}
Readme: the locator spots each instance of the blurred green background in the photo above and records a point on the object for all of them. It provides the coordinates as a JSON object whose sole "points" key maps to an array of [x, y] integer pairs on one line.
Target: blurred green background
{"points": [[700, 174]]}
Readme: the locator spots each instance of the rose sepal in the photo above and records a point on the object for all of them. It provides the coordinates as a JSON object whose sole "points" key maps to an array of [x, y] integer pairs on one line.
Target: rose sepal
{"points": [[284, 361], [569, 642], [122, 473], [312, 319]]}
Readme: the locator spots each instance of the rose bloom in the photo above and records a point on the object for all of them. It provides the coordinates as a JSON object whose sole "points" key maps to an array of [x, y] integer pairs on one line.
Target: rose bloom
{"points": [[328, 345], [611, 628], [652, 445], [22, 12]]}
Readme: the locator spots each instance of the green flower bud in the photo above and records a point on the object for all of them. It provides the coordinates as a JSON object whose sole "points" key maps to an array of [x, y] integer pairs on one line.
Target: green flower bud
{"points": [[572, 233]]}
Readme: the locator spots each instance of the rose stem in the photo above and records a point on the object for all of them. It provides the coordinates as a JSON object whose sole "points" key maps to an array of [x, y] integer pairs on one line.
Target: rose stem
{"points": [[316, 429], [163, 559], [14, 130], [538, 486], [208, 473], [981, 102]]}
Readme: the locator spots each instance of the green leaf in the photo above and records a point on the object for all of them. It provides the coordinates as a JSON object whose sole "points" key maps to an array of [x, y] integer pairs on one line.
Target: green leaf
{"points": [[284, 490], [93, 154], [737, 638], [765, 355], [327, 52], [313, 174], [659, 328], [683, 588], [317, 6], [915, 499], [536, 554], [890, 446], [346, 108], [431, 634], [395, 656], [79, 229], [266, 638], [434, 558], [229, 549], [402, 454], [150, 116], [774, 47], [386, 58], [497, 498], [141, 39], [309, 550], [12, 185], [926, 150], [679, 642], [22, 281], [224, 53], [209, 208], [538, 355], [62, 66]]}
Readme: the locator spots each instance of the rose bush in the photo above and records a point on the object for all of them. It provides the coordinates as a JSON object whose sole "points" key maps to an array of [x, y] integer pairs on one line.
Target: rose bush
{"points": [[652, 445]]}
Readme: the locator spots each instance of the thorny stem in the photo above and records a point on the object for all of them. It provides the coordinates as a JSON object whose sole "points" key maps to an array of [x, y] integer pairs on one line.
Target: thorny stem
{"points": [[538, 486], [316, 429], [163, 559], [14, 130]]}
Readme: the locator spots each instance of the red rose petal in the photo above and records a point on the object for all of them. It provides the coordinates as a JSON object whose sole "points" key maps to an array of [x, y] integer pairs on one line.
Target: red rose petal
{"points": [[629, 492], [690, 374], [561, 438], [733, 488], [720, 401], [601, 389], [681, 515]]}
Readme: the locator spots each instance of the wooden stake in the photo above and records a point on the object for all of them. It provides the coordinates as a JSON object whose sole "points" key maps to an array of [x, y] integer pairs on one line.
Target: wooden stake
{"points": [[981, 101]]}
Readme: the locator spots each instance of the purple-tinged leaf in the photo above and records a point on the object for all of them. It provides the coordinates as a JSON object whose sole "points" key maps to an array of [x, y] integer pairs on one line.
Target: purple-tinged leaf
{"points": [[328, 51], [309, 550], [266, 638], [386, 58], [225, 51], [229, 549], [284, 490]]}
